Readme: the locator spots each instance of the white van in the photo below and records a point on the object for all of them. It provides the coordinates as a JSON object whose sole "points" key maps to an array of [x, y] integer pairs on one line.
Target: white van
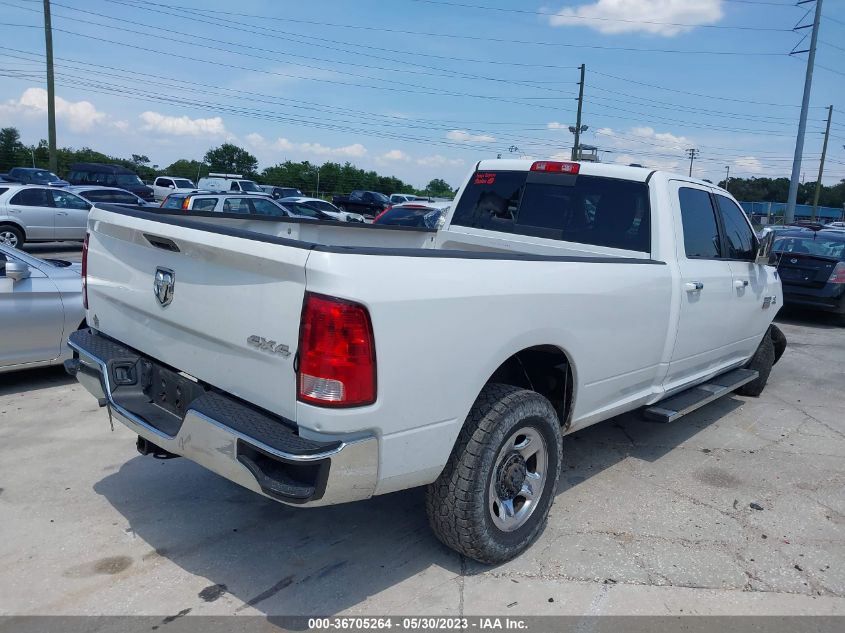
{"points": [[219, 183]]}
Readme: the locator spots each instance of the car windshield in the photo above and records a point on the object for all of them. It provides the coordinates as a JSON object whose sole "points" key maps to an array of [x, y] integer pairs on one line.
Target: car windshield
{"points": [[183, 184], [248, 185], [380, 197], [125, 180], [303, 209], [815, 245], [44, 176]]}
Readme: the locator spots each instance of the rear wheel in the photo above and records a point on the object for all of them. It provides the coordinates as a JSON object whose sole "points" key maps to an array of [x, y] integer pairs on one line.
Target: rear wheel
{"points": [[493, 497], [11, 236]]}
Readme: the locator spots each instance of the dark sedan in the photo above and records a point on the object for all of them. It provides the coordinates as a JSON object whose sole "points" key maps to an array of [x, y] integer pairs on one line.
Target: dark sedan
{"points": [[811, 263]]}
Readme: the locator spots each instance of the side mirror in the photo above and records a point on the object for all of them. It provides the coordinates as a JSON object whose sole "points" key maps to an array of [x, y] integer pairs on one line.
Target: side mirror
{"points": [[171, 186], [17, 270], [764, 248]]}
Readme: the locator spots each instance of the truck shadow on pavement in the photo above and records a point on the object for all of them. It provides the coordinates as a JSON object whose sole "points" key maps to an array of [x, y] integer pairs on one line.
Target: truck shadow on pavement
{"points": [[298, 561], [28, 380]]}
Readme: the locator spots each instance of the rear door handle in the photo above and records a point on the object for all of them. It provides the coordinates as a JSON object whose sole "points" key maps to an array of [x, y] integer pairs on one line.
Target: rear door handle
{"points": [[61, 212], [693, 286], [739, 284]]}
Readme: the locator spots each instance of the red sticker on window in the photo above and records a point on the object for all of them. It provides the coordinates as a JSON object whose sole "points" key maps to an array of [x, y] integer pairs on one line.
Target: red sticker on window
{"points": [[484, 179]]}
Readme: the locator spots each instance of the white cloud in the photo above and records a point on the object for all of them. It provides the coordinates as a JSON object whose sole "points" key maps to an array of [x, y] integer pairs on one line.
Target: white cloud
{"points": [[645, 146], [554, 125], [749, 165], [281, 144], [394, 155], [656, 17], [182, 125], [465, 137], [80, 116], [440, 161]]}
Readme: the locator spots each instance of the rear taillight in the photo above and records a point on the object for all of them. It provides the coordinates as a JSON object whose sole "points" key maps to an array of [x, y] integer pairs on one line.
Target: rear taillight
{"points": [[337, 354], [386, 209], [838, 274], [186, 203], [85, 272]]}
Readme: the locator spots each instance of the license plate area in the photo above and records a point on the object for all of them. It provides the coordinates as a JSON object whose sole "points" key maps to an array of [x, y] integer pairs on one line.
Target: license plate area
{"points": [[168, 389]]}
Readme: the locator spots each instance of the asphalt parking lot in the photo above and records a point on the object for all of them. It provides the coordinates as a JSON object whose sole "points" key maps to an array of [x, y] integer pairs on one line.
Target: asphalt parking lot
{"points": [[649, 519]]}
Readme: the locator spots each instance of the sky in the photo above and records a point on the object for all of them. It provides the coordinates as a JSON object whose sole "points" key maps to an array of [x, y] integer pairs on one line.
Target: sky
{"points": [[423, 89]]}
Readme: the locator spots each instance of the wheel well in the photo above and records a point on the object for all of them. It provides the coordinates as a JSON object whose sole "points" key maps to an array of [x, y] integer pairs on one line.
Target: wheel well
{"points": [[545, 369], [14, 225]]}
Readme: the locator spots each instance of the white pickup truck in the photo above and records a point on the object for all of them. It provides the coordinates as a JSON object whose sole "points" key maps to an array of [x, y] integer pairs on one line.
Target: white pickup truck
{"points": [[317, 363]]}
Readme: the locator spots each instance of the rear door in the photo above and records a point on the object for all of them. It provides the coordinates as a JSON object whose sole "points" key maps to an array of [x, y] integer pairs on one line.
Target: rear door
{"points": [[33, 207], [226, 289], [704, 340], [71, 215]]}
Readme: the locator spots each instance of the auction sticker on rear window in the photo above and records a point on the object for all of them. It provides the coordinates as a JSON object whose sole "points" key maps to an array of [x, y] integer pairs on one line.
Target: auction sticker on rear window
{"points": [[485, 178]]}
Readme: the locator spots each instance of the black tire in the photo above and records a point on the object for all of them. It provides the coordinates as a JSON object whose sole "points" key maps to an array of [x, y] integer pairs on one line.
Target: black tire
{"points": [[457, 503], [14, 237], [779, 341], [762, 361]]}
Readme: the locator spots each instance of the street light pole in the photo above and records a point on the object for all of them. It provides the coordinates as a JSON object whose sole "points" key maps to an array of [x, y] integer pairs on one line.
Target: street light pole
{"points": [[51, 89], [727, 176], [576, 147], [821, 164]]}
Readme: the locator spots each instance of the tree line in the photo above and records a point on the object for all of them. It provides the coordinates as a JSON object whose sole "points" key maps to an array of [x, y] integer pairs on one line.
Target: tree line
{"points": [[330, 177], [777, 190]]}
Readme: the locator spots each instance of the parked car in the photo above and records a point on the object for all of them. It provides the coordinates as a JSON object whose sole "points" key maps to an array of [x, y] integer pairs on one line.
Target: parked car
{"points": [[34, 176], [367, 203], [110, 195], [835, 225], [280, 192], [33, 213], [109, 176], [400, 198], [425, 215], [811, 263], [219, 183], [326, 207], [40, 305], [565, 294], [163, 186], [238, 203]]}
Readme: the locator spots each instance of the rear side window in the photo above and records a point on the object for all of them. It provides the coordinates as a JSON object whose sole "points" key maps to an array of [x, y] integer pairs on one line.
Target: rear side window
{"points": [[701, 233], [164, 182], [236, 205], [32, 198], [583, 209], [204, 204], [738, 233], [3, 190]]}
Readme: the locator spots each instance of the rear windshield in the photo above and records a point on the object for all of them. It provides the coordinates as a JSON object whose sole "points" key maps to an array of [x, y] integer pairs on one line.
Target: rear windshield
{"points": [[816, 245], [184, 184], [173, 202], [248, 185], [584, 209]]}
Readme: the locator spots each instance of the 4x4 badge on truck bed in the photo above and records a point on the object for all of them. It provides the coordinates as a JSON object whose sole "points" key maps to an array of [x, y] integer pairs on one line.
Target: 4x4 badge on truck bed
{"points": [[268, 346]]}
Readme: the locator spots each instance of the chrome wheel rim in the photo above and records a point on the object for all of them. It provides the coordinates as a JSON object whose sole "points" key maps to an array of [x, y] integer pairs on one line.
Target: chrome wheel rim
{"points": [[8, 238], [518, 478]]}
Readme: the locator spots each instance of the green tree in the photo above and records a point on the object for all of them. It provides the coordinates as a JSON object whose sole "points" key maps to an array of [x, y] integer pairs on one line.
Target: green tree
{"points": [[184, 168], [439, 187], [230, 159], [12, 151]]}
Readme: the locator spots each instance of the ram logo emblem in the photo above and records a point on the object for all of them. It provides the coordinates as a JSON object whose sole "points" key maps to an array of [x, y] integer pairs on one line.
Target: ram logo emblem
{"points": [[261, 343]]}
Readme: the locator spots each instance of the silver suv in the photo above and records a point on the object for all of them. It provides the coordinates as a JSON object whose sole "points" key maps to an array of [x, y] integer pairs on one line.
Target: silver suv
{"points": [[33, 213]]}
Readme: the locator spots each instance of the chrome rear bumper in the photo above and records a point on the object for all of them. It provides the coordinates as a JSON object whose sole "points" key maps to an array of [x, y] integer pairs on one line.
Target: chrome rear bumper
{"points": [[264, 453]]}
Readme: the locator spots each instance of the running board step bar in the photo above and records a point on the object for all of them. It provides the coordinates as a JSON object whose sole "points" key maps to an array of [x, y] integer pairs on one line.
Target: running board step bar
{"points": [[688, 401]]}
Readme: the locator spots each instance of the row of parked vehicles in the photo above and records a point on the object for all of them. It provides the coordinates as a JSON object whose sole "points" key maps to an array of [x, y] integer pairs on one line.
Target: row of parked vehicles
{"points": [[37, 206]]}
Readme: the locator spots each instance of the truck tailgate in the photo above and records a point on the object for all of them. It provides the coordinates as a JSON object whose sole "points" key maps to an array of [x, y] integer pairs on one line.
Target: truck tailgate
{"points": [[228, 293]]}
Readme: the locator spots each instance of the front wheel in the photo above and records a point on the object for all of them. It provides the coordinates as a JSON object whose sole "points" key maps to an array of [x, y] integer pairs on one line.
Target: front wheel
{"points": [[493, 497]]}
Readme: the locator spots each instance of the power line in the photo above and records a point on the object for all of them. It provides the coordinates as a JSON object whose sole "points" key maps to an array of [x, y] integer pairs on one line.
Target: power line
{"points": [[597, 18]]}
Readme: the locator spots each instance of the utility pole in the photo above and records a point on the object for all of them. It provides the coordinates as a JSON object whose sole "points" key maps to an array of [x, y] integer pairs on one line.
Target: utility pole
{"points": [[727, 176], [693, 154], [789, 214], [51, 89], [821, 164], [576, 147]]}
